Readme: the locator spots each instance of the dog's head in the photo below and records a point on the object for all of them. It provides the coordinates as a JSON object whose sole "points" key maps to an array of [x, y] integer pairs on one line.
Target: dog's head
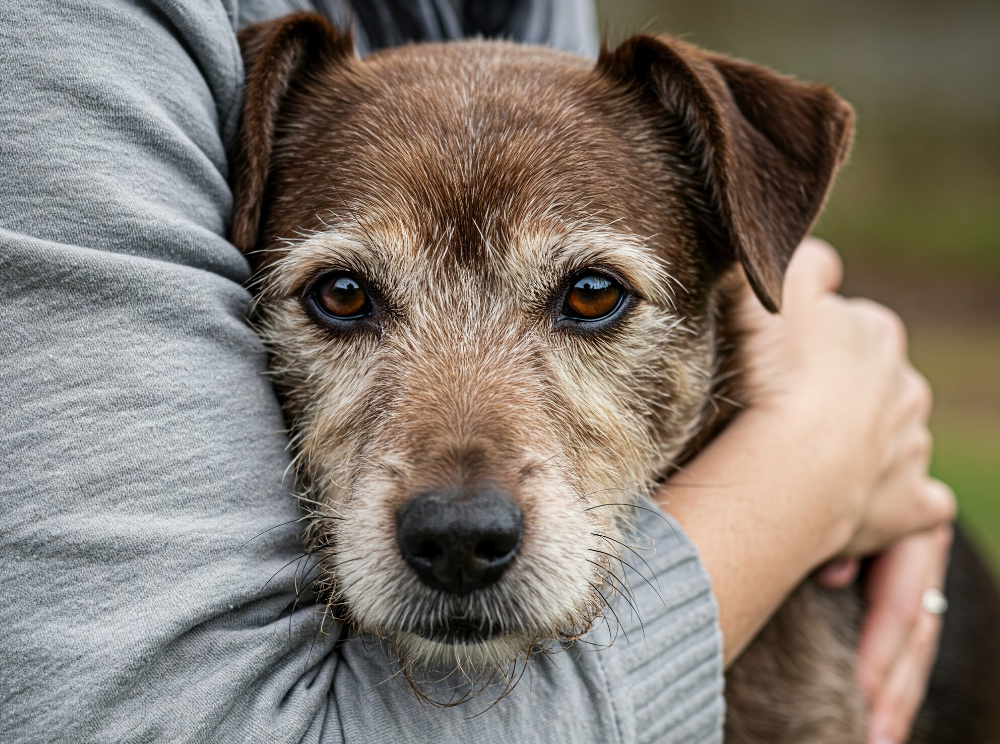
{"points": [[489, 282]]}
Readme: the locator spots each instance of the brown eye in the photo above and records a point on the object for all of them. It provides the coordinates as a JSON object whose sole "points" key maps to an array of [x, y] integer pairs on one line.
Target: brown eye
{"points": [[343, 297], [592, 297]]}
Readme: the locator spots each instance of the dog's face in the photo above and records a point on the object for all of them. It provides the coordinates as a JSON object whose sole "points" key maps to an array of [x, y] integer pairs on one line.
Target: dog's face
{"points": [[489, 283]]}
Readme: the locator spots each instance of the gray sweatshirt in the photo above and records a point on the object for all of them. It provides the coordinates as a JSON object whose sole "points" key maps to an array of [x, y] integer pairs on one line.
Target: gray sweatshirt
{"points": [[147, 537]]}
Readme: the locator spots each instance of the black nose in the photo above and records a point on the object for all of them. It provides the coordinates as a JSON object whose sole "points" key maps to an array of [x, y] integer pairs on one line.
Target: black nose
{"points": [[462, 541]]}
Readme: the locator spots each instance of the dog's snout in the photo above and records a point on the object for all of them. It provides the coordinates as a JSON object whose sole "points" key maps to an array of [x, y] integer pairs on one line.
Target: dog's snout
{"points": [[461, 541]]}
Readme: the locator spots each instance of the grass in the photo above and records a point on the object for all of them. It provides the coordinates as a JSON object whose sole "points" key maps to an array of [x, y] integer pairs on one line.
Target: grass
{"points": [[962, 363], [967, 457], [952, 234]]}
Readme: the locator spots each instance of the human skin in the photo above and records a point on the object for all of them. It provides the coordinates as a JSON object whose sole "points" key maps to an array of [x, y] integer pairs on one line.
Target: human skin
{"points": [[830, 460], [898, 638]]}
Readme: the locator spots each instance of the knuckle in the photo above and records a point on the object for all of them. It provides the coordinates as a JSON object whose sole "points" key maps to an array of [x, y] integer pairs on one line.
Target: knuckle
{"points": [[950, 510], [943, 501], [886, 326], [893, 328], [923, 444], [923, 395]]}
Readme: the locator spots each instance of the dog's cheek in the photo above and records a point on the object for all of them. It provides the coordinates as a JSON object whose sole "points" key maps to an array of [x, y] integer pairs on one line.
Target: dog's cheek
{"points": [[325, 383], [635, 399], [603, 416], [553, 579], [371, 578]]}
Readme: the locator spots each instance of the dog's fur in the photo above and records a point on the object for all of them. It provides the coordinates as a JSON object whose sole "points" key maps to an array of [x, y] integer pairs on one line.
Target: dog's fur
{"points": [[465, 184]]}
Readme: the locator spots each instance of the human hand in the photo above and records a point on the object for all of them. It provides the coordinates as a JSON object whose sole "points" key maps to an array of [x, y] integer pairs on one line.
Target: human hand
{"points": [[840, 366], [899, 638], [829, 459], [836, 371]]}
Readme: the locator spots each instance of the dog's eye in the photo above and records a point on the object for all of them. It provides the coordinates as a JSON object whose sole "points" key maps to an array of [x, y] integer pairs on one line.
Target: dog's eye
{"points": [[592, 297], [342, 297]]}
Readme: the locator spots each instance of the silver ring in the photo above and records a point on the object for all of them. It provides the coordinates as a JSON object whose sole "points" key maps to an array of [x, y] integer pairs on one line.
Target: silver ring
{"points": [[934, 602]]}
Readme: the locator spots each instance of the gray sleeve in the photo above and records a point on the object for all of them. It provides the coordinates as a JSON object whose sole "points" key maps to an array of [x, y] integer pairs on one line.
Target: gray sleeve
{"points": [[146, 531]]}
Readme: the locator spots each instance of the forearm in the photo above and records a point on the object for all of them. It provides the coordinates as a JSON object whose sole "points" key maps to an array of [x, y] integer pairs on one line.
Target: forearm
{"points": [[741, 502]]}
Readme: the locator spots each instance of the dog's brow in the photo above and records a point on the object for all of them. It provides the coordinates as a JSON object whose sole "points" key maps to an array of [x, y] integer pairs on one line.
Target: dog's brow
{"points": [[629, 254], [320, 252], [534, 253]]}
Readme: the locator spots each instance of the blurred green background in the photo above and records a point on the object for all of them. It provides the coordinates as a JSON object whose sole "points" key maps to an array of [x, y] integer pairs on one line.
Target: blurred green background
{"points": [[916, 212]]}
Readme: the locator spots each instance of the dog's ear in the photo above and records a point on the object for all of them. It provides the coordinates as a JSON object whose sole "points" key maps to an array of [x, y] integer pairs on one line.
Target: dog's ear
{"points": [[767, 146], [276, 55]]}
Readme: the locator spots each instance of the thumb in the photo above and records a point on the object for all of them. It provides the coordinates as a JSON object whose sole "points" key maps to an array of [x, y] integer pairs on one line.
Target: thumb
{"points": [[815, 269]]}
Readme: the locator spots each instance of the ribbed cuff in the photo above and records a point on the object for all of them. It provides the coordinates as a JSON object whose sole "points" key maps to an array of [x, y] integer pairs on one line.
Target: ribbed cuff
{"points": [[667, 675]]}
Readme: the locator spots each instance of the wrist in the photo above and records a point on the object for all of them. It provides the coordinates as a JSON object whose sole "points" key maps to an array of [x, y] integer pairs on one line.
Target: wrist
{"points": [[761, 519], [800, 443]]}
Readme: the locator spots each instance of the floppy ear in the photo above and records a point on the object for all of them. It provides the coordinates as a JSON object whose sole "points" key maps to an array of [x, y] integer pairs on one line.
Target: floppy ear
{"points": [[276, 54], [767, 146]]}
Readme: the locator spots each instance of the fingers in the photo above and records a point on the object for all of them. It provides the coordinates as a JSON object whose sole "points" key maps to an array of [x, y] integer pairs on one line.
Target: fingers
{"points": [[911, 406], [909, 503], [941, 505], [898, 637], [838, 573], [895, 583], [921, 396], [891, 718], [815, 268], [943, 536], [885, 324]]}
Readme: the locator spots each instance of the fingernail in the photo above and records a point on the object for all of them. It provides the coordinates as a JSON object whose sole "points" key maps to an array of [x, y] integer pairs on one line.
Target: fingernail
{"points": [[884, 740]]}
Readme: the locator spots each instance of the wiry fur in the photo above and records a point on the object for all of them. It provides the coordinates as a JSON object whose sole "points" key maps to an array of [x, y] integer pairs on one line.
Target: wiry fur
{"points": [[465, 379], [465, 215], [483, 390], [464, 185]]}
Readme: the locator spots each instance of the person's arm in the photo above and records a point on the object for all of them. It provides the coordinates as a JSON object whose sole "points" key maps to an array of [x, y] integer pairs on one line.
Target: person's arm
{"points": [[830, 458], [145, 526]]}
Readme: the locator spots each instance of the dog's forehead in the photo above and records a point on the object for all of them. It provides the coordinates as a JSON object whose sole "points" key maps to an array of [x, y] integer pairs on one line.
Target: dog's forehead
{"points": [[465, 151]]}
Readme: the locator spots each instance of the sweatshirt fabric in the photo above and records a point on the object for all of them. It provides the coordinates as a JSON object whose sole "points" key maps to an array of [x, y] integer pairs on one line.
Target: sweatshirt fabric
{"points": [[148, 544]]}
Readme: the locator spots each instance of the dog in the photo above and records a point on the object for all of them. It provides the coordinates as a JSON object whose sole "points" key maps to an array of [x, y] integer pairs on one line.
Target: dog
{"points": [[496, 284]]}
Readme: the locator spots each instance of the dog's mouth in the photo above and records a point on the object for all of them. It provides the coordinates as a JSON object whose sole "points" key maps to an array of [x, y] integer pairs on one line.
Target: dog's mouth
{"points": [[459, 631]]}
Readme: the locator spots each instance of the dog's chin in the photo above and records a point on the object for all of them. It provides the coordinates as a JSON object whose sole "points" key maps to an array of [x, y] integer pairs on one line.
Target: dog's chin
{"points": [[467, 649]]}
